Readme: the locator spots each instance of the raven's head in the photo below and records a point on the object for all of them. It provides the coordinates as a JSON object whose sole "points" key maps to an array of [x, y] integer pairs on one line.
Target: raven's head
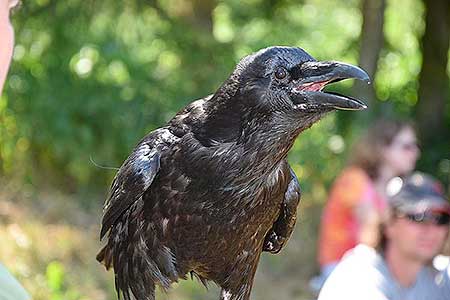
{"points": [[282, 85], [288, 79]]}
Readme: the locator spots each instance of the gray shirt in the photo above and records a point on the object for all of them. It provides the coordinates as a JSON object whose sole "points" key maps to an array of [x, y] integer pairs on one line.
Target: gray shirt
{"points": [[363, 274]]}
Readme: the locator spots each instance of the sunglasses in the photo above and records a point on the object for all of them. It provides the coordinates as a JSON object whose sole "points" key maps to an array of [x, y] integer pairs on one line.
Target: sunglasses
{"points": [[408, 146], [435, 218]]}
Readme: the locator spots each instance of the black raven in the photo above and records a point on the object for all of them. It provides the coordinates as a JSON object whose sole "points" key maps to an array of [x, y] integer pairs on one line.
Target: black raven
{"points": [[209, 191]]}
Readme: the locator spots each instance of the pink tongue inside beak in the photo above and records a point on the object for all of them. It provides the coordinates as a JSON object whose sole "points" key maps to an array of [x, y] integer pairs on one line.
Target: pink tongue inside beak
{"points": [[312, 86]]}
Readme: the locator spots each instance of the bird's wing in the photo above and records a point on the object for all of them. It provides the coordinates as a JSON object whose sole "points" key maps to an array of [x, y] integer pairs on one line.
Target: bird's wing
{"points": [[135, 176]]}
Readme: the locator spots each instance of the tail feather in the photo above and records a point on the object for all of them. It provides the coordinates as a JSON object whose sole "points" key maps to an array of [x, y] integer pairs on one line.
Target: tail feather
{"points": [[200, 278], [137, 266], [167, 261]]}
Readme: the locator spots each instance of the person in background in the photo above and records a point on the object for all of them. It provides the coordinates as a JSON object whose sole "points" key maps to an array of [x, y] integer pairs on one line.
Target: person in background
{"points": [[400, 267], [357, 199], [10, 288]]}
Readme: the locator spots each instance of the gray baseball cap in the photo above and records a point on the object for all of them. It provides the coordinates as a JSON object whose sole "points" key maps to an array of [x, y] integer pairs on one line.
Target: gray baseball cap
{"points": [[417, 193]]}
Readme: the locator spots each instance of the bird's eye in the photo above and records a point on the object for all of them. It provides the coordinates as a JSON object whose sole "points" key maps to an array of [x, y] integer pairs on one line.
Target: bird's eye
{"points": [[280, 73]]}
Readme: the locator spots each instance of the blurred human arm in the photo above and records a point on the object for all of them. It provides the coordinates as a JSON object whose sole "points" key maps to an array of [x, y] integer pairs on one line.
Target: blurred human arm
{"points": [[10, 288], [369, 219], [6, 38]]}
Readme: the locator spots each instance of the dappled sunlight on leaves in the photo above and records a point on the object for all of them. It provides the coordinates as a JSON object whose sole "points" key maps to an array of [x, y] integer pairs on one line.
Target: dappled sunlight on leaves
{"points": [[90, 78]]}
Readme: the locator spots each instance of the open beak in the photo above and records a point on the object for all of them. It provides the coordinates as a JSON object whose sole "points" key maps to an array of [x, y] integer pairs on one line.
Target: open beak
{"points": [[315, 75]]}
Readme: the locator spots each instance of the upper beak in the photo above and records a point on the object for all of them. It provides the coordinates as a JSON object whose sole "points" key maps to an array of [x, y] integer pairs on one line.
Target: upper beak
{"points": [[315, 75]]}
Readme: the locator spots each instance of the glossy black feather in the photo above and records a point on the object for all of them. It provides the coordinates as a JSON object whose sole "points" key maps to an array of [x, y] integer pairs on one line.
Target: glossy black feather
{"points": [[133, 179]]}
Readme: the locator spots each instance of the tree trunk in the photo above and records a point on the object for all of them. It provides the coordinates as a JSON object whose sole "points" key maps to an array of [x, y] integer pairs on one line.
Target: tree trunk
{"points": [[196, 12], [371, 43], [433, 78], [202, 14]]}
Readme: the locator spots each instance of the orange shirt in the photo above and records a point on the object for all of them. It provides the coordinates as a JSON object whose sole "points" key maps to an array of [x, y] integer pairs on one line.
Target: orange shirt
{"points": [[340, 225]]}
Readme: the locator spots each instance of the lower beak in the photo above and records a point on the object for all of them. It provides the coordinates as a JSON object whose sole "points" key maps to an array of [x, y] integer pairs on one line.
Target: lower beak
{"points": [[336, 101]]}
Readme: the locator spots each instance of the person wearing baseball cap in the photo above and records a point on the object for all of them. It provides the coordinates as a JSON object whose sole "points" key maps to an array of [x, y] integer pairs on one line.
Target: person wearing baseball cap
{"points": [[401, 267]]}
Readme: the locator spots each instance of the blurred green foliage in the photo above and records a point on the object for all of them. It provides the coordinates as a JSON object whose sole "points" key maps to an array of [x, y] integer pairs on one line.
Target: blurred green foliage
{"points": [[55, 276], [90, 78]]}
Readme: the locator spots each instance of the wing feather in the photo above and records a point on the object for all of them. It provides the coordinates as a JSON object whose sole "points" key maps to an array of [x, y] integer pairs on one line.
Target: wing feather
{"points": [[134, 177]]}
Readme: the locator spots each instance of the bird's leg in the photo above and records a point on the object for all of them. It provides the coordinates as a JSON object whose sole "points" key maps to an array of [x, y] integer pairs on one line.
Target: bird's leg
{"points": [[225, 294], [281, 230], [241, 292], [239, 283]]}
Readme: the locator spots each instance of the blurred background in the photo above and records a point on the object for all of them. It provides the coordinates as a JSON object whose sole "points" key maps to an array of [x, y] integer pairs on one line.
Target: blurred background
{"points": [[90, 78]]}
